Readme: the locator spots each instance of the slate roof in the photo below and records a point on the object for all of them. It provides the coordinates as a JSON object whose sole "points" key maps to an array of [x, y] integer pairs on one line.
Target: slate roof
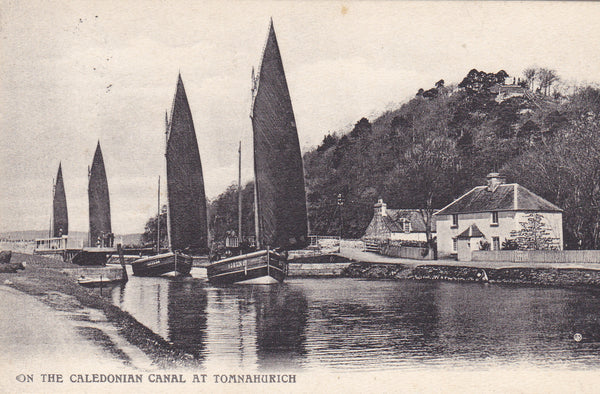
{"points": [[394, 217], [471, 232], [506, 197]]}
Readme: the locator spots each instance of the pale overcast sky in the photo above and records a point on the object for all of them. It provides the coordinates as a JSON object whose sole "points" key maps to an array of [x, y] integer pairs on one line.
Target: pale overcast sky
{"points": [[75, 72]]}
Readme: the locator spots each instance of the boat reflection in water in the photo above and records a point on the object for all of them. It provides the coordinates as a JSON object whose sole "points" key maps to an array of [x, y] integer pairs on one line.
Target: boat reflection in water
{"points": [[173, 308], [348, 324], [237, 326]]}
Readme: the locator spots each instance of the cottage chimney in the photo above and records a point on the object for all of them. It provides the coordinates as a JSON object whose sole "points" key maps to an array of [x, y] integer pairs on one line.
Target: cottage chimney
{"points": [[380, 208], [493, 181]]}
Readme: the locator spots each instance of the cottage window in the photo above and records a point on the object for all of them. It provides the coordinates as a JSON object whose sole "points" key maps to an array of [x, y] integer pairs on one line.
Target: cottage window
{"points": [[454, 220], [495, 243], [454, 244], [494, 218], [406, 226]]}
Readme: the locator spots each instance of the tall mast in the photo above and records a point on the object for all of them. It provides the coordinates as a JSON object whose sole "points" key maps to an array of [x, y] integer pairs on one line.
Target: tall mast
{"points": [[50, 230], [168, 209], [240, 194], [89, 231], [254, 89], [158, 221]]}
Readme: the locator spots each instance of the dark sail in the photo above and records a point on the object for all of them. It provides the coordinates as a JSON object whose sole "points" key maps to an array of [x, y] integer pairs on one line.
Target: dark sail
{"points": [[280, 196], [60, 217], [185, 184], [99, 201]]}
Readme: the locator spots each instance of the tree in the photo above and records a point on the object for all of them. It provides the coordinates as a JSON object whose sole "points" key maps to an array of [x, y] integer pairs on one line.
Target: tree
{"points": [[151, 229], [546, 78], [361, 128], [428, 173], [566, 172], [528, 130], [530, 74], [534, 235], [223, 213], [329, 141], [431, 93], [481, 81]]}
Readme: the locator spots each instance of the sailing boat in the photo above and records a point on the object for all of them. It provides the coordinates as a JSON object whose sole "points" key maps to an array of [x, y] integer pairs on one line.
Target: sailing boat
{"points": [[60, 225], [101, 238], [279, 193], [99, 204], [56, 243], [186, 208]]}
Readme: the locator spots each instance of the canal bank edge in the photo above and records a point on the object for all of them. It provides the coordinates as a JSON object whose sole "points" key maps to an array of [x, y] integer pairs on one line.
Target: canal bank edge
{"points": [[515, 275], [44, 277]]}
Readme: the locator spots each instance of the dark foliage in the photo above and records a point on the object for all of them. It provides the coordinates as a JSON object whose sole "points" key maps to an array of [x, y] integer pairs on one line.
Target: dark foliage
{"points": [[480, 82], [329, 141], [431, 150], [510, 244], [151, 230], [223, 213]]}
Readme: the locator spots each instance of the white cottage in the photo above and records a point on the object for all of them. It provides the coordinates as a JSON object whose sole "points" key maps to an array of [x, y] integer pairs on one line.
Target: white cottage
{"points": [[397, 224], [488, 214]]}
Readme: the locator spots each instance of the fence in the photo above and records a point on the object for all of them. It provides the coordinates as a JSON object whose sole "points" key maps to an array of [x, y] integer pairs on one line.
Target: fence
{"points": [[324, 243], [352, 244], [48, 244], [538, 256], [372, 246], [415, 250], [406, 252]]}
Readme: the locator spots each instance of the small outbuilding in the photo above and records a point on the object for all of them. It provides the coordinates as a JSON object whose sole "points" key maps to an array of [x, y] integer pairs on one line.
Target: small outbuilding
{"points": [[469, 240]]}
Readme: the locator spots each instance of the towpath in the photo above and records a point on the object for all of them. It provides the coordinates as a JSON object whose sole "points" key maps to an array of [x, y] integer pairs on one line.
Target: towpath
{"points": [[35, 338], [370, 257]]}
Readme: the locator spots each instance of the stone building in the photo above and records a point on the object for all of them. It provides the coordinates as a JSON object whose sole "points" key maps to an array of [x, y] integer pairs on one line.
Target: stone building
{"points": [[396, 224], [487, 215]]}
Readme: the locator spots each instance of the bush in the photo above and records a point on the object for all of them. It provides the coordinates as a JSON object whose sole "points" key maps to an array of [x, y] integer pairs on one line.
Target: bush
{"points": [[510, 244]]}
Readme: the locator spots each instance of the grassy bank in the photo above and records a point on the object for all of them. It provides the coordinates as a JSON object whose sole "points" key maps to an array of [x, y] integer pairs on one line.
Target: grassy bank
{"points": [[43, 278]]}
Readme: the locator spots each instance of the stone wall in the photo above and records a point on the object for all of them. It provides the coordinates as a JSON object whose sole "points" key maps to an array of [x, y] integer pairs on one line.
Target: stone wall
{"points": [[311, 266], [538, 256], [534, 276], [406, 252], [108, 273]]}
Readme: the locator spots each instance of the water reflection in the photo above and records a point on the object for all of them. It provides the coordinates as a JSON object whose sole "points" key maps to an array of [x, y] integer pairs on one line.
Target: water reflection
{"points": [[187, 317], [281, 317], [361, 324], [173, 308], [493, 324]]}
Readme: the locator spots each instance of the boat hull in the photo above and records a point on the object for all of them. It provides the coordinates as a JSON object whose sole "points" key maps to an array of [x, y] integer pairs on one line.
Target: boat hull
{"points": [[92, 256], [96, 282], [161, 264], [262, 267]]}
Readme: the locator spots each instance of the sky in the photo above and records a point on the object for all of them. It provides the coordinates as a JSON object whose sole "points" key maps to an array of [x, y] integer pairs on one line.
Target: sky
{"points": [[73, 73]]}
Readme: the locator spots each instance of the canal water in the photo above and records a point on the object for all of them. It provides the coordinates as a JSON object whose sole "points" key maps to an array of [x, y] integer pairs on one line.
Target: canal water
{"points": [[365, 325]]}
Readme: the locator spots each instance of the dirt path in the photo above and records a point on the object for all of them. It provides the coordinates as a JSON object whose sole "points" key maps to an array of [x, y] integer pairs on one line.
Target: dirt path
{"points": [[52, 333], [35, 336]]}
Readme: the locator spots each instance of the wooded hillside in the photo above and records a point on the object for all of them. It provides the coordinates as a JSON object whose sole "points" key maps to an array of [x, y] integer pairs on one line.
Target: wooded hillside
{"points": [[445, 141]]}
